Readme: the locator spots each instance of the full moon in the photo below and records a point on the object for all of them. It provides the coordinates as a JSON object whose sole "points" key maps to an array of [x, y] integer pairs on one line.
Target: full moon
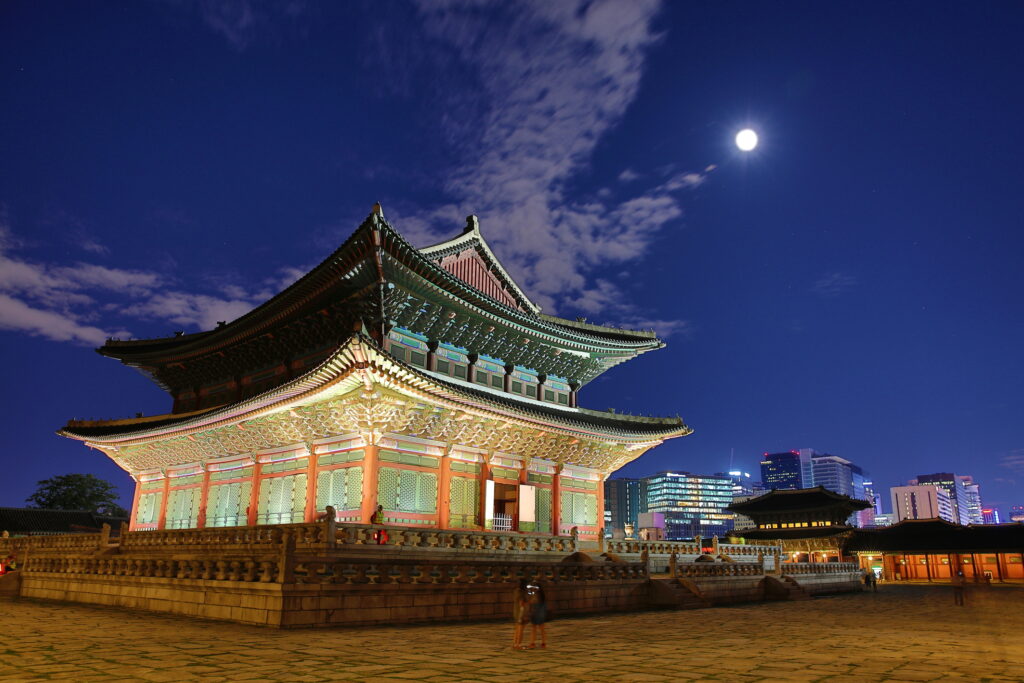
{"points": [[746, 140]]}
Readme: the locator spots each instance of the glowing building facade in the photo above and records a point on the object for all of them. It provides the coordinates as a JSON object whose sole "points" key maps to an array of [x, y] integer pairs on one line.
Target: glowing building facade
{"points": [[423, 380]]}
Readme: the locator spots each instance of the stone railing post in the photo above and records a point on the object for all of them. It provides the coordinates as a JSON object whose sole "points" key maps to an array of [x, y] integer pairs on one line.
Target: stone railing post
{"points": [[714, 545], [123, 534], [331, 524], [104, 537], [673, 564], [285, 559], [645, 559]]}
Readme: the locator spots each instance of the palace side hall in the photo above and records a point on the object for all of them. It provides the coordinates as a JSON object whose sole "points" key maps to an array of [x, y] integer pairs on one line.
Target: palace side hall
{"points": [[422, 380]]}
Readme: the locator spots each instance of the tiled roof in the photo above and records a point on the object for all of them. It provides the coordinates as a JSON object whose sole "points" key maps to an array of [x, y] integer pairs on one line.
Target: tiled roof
{"points": [[793, 500], [937, 535], [26, 521]]}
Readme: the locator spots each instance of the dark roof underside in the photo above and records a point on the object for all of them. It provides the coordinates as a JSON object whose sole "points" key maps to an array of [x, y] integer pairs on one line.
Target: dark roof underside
{"points": [[935, 535]]}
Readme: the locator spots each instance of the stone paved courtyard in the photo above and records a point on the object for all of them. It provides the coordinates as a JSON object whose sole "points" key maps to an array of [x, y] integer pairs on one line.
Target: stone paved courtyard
{"points": [[911, 633]]}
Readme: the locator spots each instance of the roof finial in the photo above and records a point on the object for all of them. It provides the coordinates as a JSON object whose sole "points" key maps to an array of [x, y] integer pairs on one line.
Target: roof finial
{"points": [[377, 210], [472, 223]]}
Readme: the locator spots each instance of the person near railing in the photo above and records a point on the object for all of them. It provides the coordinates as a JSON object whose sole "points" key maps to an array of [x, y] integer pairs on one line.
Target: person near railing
{"points": [[380, 534]]}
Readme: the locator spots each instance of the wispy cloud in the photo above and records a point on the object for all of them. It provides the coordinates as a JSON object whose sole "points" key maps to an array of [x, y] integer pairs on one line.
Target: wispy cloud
{"points": [[1013, 460], [240, 22], [77, 302], [834, 284], [628, 176], [555, 78]]}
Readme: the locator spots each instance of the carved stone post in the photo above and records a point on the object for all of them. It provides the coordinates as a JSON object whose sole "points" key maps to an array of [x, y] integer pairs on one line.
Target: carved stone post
{"points": [[331, 522], [673, 563], [285, 557], [714, 545], [104, 536]]}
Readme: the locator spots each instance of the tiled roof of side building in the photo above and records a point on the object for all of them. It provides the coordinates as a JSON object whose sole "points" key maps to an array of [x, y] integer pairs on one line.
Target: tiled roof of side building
{"points": [[938, 535], [796, 499], [19, 521]]}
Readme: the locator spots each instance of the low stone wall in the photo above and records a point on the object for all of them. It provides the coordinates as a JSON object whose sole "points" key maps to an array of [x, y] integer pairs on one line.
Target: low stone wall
{"points": [[310, 605], [729, 590], [823, 584]]}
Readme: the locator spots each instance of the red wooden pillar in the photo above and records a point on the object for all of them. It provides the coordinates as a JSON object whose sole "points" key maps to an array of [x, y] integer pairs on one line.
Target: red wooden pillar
{"points": [[444, 490], [311, 511], [371, 467], [135, 504], [600, 509], [254, 495], [556, 501], [928, 566], [485, 475], [162, 519], [204, 496]]}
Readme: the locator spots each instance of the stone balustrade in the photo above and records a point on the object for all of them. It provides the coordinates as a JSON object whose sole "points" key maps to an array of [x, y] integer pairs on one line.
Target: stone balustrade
{"points": [[453, 539], [261, 569], [60, 543], [691, 570], [312, 534], [621, 546], [819, 567], [327, 571]]}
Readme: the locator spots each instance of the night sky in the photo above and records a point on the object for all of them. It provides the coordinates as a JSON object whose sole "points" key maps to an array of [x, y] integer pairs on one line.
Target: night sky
{"points": [[853, 285]]}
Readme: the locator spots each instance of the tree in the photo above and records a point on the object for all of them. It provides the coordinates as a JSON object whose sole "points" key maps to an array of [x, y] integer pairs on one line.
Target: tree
{"points": [[77, 492]]}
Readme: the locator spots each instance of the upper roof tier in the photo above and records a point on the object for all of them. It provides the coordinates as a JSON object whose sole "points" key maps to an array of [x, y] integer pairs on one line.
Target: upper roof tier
{"points": [[455, 292]]}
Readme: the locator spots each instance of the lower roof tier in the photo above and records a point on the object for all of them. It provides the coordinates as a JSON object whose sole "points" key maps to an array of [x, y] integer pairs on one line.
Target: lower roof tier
{"points": [[361, 389]]}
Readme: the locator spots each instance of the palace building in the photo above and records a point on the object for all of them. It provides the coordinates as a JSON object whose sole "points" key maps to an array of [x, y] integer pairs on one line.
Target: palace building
{"points": [[423, 380]]}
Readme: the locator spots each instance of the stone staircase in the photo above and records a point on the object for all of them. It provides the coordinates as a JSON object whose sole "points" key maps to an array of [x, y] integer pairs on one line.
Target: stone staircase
{"points": [[796, 591], [669, 592]]}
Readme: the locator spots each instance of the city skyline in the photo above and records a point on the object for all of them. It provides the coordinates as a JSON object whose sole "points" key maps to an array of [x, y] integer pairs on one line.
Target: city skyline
{"points": [[846, 284]]}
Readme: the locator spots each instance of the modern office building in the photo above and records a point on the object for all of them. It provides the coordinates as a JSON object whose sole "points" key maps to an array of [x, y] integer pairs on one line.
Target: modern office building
{"points": [[990, 516], [742, 484], [693, 504], [924, 501], [783, 471], [957, 495], [972, 495], [624, 500]]}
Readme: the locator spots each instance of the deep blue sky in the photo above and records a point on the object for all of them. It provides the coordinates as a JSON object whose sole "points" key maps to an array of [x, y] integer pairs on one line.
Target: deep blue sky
{"points": [[854, 285]]}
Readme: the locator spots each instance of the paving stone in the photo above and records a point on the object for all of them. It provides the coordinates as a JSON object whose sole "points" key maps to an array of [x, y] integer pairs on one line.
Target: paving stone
{"points": [[908, 633]]}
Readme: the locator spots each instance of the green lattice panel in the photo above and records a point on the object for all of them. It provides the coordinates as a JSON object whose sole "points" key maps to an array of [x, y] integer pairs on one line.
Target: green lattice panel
{"points": [[190, 480], [282, 500], [183, 509], [589, 510], [565, 507], [537, 478], [149, 508], [340, 488], [387, 487], [544, 510], [353, 487], [407, 490], [157, 485]]}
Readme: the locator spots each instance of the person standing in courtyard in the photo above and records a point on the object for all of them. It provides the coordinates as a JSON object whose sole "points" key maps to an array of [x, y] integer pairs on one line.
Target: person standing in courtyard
{"points": [[958, 588], [538, 616], [520, 613]]}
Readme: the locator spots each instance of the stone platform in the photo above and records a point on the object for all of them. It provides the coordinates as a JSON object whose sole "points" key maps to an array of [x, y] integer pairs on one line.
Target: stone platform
{"points": [[324, 574], [901, 633]]}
